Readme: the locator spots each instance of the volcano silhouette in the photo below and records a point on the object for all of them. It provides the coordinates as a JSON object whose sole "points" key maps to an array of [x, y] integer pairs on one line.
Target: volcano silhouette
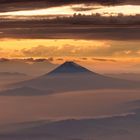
{"points": [[69, 67], [72, 77]]}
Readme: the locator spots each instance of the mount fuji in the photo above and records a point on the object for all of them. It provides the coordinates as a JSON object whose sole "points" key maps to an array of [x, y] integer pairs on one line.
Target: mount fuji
{"points": [[69, 68], [73, 77]]}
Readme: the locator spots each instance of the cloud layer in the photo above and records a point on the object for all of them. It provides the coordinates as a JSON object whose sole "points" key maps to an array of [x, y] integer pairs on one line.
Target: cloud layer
{"points": [[88, 33], [108, 50], [108, 28], [14, 5]]}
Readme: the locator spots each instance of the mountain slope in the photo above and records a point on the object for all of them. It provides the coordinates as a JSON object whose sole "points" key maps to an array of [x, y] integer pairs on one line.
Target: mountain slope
{"points": [[25, 91]]}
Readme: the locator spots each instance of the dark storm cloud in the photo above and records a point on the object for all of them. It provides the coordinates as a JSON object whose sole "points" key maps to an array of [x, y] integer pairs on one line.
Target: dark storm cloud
{"points": [[107, 33], [74, 27], [13, 5], [135, 2]]}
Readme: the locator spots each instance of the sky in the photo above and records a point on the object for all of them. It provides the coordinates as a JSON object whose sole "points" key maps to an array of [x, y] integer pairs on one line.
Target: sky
{"points": [[106, 31]]}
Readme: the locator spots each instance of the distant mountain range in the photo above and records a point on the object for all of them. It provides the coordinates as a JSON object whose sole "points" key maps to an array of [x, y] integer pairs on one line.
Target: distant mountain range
{"points": [[12, 74], [73, 77]]}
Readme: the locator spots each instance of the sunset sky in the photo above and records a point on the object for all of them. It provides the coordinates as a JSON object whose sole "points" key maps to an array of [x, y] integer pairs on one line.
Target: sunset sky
{"points": [[116, 41]]}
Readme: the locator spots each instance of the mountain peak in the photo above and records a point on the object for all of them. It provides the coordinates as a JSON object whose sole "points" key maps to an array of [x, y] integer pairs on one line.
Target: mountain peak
{"points": [[69, 67]]}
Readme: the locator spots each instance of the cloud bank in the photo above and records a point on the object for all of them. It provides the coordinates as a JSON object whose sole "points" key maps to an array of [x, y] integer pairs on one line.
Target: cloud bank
{"points": [[87, 33], [14, 5], [75, 27]]}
